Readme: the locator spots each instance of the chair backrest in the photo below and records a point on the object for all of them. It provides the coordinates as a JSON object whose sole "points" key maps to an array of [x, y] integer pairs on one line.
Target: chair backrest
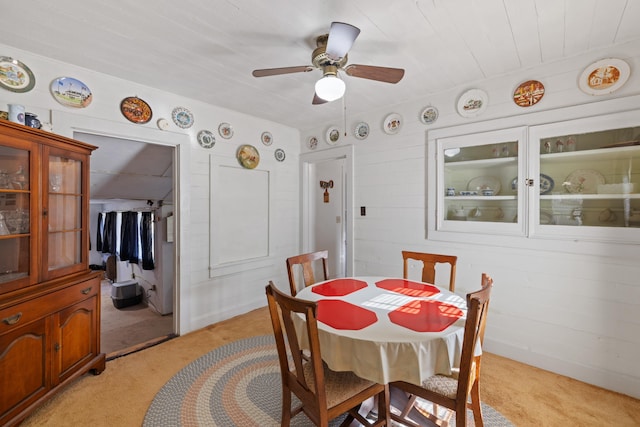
{"points": [[477, 308], [429, 262], [282, 308], [306, 261]]}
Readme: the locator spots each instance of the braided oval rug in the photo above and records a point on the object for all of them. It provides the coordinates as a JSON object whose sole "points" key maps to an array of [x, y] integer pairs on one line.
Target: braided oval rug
{"points": [[237, 384]]}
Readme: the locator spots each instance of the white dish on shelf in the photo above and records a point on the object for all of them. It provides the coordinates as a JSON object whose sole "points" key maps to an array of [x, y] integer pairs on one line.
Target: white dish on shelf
{"points": [[584, 181], [480, 183]]}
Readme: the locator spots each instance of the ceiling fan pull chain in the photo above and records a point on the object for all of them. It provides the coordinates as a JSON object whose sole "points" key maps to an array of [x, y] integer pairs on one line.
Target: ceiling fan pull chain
{"points": [[344, 108]]}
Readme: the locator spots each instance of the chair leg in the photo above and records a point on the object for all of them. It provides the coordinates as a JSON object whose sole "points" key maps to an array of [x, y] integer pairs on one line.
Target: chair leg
{"points": [[475, 404]]}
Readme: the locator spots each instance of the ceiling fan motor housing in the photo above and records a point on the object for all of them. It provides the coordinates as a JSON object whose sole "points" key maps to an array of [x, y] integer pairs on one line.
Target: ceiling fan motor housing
{"points": [[320, 59]]}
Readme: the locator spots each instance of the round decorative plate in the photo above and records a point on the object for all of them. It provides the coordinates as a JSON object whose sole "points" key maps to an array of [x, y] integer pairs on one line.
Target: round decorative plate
{"points": [[480, 183], [583, 181], [362, 130], [225, 130], [429, 115], [472, 103], [248, 156], [528, 93], [135, 110], [163, 124], [71, 92], [182, 117], [332, 136], [15, 76], [279, 155], [392, 123], [604, 76], [546, 184], [312, 142], [206, 139], [267, 138]]}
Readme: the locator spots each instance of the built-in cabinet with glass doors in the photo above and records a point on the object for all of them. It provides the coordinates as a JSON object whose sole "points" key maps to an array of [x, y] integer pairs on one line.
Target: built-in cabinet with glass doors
{"points": [[49, 299], [577, 179]]}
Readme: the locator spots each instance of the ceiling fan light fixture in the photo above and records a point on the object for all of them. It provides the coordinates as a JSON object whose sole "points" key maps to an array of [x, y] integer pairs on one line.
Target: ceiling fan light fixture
{"points": [[330, 87]]}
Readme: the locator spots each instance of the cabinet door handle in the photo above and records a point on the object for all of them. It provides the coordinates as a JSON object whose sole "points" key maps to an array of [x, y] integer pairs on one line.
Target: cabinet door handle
{"points": [[530, 182], [12, 320], [85, 291], [56, 347]]}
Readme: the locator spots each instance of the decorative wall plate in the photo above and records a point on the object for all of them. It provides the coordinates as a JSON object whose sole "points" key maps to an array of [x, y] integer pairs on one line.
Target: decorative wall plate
{"points": [[71, 92], [136, 110], [392, 123], [225, 130], [528, 93], [472, 103], [480, 183], [429, 115], [333, 135], [182, 117], [15, 76], [206, 139], [604, 76], [248, 156], [267, 138], [163, 124], [362, 130], [312, 143], [279, 155], [584, 181]]}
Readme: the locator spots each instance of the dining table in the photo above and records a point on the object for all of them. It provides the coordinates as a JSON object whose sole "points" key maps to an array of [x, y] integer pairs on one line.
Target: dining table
{"points": [[386, 329]]}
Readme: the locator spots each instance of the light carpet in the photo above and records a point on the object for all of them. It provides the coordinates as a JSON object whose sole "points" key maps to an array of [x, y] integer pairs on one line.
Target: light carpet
{"points": [[237, 384]]}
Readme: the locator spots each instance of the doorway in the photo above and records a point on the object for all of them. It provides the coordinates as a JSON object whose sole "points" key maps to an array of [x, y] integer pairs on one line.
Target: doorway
{"points": [[133, 177], [329, 225]]}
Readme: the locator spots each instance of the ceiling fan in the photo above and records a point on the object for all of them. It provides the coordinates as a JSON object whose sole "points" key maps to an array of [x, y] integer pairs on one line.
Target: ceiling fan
{"points": [[330, 56]]}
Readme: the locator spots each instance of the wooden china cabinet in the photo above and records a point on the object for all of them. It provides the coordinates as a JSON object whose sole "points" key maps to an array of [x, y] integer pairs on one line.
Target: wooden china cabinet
{"points": [[49, 298]]}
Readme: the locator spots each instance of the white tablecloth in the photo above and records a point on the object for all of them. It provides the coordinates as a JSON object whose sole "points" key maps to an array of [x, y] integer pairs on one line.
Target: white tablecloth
{"points": [[384, 351]]}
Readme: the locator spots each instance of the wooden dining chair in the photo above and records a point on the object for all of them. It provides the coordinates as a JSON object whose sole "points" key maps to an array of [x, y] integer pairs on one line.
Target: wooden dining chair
{"points": [[307, 262], [453, 392], [323, 393], [429, 262]]}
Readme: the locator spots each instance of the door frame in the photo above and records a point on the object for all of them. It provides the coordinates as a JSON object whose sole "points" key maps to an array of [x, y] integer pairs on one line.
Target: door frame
{"points": [[307, 160], [67, 124]]}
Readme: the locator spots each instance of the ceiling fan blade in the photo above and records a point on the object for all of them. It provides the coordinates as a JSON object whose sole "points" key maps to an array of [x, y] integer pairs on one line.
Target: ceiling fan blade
{"points": [[284, 70], [381, 74], [341, 38], [317, 100]]}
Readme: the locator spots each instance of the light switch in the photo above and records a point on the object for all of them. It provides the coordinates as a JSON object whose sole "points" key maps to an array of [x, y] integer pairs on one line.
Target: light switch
{"points": [[363, 211]]}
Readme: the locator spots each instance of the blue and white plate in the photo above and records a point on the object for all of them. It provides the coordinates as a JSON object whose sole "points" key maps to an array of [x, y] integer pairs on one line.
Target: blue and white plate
{"points": [[182, 117]]}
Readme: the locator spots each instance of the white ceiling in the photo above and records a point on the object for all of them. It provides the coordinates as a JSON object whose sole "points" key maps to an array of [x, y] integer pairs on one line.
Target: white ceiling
{"points": [[206, 50]]}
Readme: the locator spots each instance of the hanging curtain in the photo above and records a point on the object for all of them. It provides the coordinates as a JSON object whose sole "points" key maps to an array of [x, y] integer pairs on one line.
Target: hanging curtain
{"points": [[146, 237], [99, 234], [129, 237], [109, 235]]}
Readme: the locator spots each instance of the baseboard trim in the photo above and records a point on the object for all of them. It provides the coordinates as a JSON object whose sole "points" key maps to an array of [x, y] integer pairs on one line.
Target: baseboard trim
{"points": [[599, 377]]}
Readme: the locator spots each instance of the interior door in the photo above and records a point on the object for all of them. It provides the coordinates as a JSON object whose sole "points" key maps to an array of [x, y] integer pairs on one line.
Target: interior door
{"points": [[327, 199]]}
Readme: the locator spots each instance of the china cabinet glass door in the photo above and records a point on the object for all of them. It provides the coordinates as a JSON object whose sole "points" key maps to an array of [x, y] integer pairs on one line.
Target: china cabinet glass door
{"points": [[478, 185], [593, 166], [15, 218], [63, 217]]}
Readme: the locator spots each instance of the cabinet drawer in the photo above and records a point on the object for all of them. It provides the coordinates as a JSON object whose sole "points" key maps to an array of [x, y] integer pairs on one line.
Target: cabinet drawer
{"points": [[26, 312]]}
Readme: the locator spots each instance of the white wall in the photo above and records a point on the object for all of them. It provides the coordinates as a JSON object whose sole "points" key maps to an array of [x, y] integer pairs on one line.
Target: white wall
{"points": [[201, 300], [572, 314]]}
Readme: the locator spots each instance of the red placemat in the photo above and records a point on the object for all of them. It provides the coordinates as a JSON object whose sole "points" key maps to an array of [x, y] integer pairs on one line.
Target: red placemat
{"points": [[408, 287], [425, 316], [339, 287], [343, 315]]}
